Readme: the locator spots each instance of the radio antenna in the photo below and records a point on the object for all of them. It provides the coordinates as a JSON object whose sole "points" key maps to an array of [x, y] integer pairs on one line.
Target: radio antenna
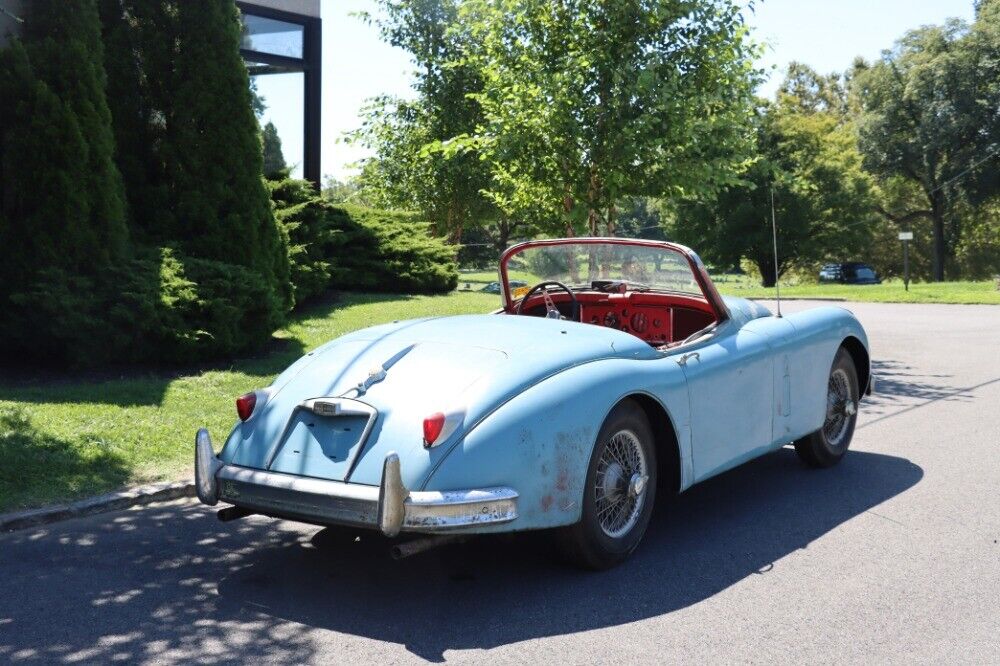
{"points": [[774, 238]]}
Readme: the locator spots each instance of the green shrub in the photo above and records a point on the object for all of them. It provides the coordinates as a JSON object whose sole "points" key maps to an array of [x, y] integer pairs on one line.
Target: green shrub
{"points": [[180, 309], [302, 216], [391, 251], [352, 247], [158, 308]]}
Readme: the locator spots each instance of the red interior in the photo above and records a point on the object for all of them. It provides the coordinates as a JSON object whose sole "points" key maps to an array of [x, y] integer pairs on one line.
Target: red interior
{"points": [[658, 319]]}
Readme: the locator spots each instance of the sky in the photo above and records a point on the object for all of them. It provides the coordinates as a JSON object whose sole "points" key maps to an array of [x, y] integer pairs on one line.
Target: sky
{"points": [[357, 65]]}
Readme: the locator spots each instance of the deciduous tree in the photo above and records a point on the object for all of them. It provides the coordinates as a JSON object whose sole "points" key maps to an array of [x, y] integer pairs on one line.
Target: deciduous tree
{"points": [[822, 197], [928, 114], [588, 102]]}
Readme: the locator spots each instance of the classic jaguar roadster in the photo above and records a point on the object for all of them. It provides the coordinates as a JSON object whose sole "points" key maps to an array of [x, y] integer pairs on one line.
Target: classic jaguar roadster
{"points": [[621, 373]]}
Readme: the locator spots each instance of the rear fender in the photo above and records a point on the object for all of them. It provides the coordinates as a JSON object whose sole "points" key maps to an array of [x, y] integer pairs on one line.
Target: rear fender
{"points": [[540, 442]]}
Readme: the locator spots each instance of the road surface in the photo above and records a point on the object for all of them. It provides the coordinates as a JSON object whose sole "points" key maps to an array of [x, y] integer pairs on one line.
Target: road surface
{"points": [[890, 557]]}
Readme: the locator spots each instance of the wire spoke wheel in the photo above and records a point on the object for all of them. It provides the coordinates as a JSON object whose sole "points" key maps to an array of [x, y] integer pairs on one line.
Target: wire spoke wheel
{"points": [[840, 408], [825, 446], [622, 472]]}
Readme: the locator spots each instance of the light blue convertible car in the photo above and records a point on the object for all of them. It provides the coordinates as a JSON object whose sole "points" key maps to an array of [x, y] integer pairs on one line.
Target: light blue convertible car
{"points": [[621, 373]]}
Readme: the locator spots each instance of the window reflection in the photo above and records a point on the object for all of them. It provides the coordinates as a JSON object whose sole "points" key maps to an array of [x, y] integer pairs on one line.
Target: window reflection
{"points": [[266, 35], [282, 102]]}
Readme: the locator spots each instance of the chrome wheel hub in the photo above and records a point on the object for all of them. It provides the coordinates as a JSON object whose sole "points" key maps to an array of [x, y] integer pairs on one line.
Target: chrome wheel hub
{"points": [[620, 486]]}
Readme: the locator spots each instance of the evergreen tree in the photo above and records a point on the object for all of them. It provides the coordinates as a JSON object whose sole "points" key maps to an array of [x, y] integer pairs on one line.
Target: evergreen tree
{"points": [[274, 160], [62, 214], [189, 141], [134, 30]]}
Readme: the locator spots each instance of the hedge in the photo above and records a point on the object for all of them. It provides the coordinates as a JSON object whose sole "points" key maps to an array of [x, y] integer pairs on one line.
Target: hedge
{"points": [[161, 308], [353, 247]]}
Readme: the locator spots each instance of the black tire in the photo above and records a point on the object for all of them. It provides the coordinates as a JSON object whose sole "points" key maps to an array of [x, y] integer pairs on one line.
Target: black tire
{"points": [[590, 544], [826, 446]]}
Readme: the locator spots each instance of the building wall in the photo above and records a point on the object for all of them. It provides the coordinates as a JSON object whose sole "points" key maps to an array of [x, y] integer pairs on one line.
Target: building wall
{"points": [[304, 7]]}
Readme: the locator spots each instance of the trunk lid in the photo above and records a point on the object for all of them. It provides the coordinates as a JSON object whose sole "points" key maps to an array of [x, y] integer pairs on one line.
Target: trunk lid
{"points": [[464, 366]]}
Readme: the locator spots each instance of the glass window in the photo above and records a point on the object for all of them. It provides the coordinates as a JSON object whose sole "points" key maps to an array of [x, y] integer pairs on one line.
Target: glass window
{"points": [[281, 100], [643, 267], [267, 35]]}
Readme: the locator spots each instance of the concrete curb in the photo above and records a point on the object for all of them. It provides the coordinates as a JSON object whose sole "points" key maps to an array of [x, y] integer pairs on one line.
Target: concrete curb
{"points": [[122, 499]]}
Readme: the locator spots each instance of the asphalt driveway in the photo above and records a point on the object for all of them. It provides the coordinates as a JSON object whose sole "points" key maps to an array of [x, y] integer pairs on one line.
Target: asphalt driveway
{"points": [[892, 556]]}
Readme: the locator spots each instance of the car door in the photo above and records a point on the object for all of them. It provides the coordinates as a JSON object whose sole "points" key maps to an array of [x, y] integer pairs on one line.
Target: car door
{"points": [[730, 388]]}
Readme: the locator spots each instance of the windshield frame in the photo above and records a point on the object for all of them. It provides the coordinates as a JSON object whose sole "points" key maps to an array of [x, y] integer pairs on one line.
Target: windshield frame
{"points": [[708, 290]]}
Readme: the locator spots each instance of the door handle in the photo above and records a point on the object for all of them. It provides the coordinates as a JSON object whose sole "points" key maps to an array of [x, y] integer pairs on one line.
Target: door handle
{"points": [[683, 360]]}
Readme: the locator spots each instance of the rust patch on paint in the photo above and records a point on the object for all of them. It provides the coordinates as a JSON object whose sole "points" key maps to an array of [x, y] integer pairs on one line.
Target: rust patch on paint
{"points": [[562, 481], [547, 502], [572, 454]]}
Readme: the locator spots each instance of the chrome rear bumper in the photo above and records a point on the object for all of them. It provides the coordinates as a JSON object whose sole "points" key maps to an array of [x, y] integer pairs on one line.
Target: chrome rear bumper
{"points": [[390, 507]]}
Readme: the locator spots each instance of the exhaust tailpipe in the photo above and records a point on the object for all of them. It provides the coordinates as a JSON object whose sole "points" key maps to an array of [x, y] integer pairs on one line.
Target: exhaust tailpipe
{"points": [[401, 550], [233, 513]]}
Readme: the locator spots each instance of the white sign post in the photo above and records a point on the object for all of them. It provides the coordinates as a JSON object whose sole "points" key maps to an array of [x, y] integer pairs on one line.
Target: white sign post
{"points": [[906, 237]]}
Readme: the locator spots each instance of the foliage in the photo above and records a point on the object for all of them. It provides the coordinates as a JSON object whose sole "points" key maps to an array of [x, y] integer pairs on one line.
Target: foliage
{"points": [[822, 198], [412, 167], [928, 116], [352, 247], [391, 251], [274, 160], [156, 308], [188, 140], [62, 214], [588, 102], [978, 253]]}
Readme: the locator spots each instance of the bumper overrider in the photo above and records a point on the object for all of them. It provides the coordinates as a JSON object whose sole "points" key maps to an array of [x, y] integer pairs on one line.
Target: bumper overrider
{"points": [[389, 507]]}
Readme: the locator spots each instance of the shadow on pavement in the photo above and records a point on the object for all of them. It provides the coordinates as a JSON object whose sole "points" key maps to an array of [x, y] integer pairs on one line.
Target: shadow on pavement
{"points": [[500, 590], [899, 389], [173, 583]]}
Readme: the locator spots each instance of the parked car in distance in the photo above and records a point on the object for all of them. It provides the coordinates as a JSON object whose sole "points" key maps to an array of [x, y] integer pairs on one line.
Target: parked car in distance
{"points": [[497, 288], [851, 272]]}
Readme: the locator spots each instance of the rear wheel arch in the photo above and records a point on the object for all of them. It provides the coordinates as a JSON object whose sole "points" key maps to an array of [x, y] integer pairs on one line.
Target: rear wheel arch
{"points": [[665, 440], [862, 362]]}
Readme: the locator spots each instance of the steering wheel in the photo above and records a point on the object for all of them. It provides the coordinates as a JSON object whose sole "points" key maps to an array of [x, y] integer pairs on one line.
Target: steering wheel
{"points": [[551, 311]]}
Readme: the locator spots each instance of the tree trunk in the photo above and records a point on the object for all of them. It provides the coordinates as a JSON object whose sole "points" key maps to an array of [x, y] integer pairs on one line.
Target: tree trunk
{"points": [[940, 251], [574, 270], [768, 278]]}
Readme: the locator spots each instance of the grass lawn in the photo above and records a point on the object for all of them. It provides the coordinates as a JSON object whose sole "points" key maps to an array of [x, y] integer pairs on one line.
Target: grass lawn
{"points": [[64, 438], [891, 291], [73, 436], [888, 292]]}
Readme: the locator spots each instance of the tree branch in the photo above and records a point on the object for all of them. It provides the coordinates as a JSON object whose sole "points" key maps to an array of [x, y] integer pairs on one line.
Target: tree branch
{"points": [[906, 217]]}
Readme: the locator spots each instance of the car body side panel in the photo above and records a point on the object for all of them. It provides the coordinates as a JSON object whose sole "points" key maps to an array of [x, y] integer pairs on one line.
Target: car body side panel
{"points": [[540, 442], [804, 345], [819, 332], [731, 392]]}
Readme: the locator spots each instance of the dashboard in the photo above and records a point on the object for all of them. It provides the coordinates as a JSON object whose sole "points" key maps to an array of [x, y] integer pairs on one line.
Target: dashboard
{"points": [[658, 319], [652, 323]]}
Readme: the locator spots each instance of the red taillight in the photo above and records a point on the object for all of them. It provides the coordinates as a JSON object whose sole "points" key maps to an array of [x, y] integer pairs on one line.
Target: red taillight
{"points": [[245, 405], [433, 425]]}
